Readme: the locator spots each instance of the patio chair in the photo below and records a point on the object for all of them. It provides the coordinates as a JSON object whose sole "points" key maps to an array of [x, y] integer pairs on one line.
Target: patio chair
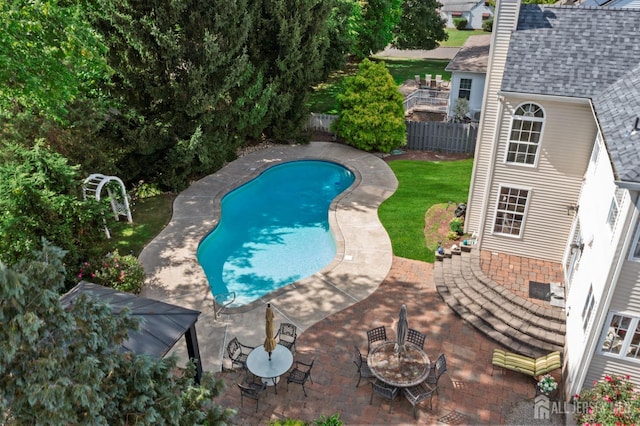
{"points": [[384, 390], [287, 335], [438, 81], [300, 374], [251, 389], [376, 335], [415, 337], [361, 362], [439, 368], [427, 81], [418, 393], [238, 352]]}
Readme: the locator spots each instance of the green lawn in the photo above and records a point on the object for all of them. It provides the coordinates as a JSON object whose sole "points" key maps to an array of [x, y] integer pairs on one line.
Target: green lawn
{"points": [[458, 37], [421, 184], [323, 98], [150, 216]]}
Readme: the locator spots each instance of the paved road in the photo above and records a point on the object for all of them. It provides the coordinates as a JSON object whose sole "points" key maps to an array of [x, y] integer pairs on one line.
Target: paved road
{"points": [[437, 53]]}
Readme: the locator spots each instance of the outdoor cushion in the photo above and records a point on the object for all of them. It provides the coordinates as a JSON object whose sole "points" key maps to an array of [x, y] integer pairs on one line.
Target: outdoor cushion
{"points": [[531, 366]]}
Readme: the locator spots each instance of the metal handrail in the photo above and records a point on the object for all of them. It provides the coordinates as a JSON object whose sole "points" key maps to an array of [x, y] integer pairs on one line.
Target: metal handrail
{"points": [[228, 301]]}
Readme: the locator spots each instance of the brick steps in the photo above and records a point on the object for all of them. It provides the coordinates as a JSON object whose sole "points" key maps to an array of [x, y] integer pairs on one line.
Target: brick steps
{"points": [[518, 324]]}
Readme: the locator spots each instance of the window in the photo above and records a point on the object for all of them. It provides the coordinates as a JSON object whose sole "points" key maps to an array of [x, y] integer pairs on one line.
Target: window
{"points": [[573, 258], [526, 128], [456, 14], [465, 88], [614, 208], [595, 152], [635, 250], [486, 16], [510, 211], [622, 337], [588, 308]]}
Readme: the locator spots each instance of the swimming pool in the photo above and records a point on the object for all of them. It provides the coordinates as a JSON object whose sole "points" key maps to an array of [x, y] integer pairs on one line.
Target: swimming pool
{"points": [[273, 230]]}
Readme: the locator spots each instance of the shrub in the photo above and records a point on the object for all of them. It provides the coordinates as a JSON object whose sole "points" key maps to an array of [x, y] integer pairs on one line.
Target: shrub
{"points": [[609, 401], [452, 235], [123, 273], [456, 225], [487, 25], [460, 23], [371, 114]]}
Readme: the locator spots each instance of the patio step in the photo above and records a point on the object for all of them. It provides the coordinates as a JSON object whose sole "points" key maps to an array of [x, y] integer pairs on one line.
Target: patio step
{"points": [[518, 324]]}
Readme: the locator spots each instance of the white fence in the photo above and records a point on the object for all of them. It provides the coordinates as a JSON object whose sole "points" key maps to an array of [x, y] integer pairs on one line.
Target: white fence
{"points": [[421, 135], [429, 100]]}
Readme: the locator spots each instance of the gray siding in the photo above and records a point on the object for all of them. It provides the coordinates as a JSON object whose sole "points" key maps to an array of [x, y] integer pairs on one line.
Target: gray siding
{"points": [[555, 182]]}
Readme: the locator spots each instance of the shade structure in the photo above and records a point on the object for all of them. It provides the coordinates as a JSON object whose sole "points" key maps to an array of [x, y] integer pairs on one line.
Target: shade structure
{"points": [[269, 341], [402, 329]]}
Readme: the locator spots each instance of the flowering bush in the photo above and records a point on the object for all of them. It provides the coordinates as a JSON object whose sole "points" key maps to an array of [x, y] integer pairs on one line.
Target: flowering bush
{"points": [[611, 401], [123, 273], [547, 384]]}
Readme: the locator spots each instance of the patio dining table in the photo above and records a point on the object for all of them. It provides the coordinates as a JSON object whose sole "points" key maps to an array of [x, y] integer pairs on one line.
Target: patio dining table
{"points": [[270, 370], [404, 369]]}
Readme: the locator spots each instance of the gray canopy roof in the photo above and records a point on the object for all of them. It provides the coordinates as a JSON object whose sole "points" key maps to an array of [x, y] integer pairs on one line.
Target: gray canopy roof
{"points": [[162, 324], [584, 53]]}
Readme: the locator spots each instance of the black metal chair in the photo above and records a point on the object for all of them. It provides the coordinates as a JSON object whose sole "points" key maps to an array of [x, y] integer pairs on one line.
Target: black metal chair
{"points": [[418, 393], [416, 337], [361, 362], [238, 352], [439, 368], [384, 390], [287, 336], [376, 335], [300, 374], [251, 389]]}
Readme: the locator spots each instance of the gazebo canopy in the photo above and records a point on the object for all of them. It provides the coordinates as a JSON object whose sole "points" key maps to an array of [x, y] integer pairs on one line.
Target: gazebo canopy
{"points": [[161, 327]]}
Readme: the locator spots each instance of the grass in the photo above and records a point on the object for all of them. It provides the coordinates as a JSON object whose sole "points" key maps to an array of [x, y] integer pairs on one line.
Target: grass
{"points": [[323, 98], [421, 184], [458, 37], [150, 216]]}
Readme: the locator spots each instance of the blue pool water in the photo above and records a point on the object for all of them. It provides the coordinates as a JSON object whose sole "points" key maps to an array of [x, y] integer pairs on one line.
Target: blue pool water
{"points": [[273, 230]]}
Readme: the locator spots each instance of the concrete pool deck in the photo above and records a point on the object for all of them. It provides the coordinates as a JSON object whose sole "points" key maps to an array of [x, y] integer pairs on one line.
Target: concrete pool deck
{"points": [[363, 260]]}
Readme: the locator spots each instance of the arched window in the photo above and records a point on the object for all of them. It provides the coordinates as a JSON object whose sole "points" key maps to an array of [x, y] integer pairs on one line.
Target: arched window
{"points": [[524, 139]]}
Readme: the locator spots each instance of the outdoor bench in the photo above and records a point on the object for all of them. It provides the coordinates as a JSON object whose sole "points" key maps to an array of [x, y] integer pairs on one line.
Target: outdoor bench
{"points": [[533, 367]]}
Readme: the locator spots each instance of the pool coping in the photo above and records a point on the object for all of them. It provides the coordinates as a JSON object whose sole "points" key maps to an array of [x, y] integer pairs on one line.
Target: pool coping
{"points": [[362, 262]]}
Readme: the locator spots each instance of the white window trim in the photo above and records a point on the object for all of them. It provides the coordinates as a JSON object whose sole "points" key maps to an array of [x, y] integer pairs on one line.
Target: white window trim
{"points": [[636, 242], [587, 310], [635, 323], [524, 214], [465, 89], [543, 121]]}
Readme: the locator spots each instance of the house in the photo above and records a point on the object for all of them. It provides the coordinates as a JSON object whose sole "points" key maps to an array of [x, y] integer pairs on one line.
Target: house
{"points": [[468, 73], [556, 176], [474, 11]]}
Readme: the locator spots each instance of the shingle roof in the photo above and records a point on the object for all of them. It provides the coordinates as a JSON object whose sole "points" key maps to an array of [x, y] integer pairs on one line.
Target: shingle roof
{"points": [[458, 5], [472, 56], [586, 53]]}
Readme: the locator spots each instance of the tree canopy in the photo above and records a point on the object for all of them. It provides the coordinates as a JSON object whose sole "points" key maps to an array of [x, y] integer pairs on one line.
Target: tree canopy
{"points": [[64, 366], [421, 26]]}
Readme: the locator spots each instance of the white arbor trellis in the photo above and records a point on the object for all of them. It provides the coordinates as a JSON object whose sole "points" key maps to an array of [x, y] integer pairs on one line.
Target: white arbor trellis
{"points": [[96, 182]]}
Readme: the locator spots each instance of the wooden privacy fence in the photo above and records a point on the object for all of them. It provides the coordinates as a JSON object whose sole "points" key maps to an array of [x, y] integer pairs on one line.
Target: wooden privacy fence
{"points": [[421, 135]]}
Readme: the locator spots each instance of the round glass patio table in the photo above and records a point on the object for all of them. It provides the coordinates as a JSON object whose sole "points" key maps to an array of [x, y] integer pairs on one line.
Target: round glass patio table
{"points": [[404, 369], [270, 371]]}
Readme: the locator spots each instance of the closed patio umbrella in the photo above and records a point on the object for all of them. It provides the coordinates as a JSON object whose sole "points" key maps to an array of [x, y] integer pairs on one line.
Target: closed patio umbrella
{"points": [[270, 341], [402, 329]]}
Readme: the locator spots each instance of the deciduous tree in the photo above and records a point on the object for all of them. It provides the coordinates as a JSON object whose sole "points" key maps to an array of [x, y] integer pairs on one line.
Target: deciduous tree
{"points": [[421, 26], [375, 32], [64, 366]]}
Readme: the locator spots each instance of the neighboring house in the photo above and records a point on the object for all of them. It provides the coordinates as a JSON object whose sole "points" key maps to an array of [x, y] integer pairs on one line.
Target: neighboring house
{"points": [[557, 171], [474, 11], [468, 73], [620, 4]]}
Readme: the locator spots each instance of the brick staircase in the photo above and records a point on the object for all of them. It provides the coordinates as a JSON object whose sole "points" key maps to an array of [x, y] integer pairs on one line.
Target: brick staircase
{"points": [[514, 322]]}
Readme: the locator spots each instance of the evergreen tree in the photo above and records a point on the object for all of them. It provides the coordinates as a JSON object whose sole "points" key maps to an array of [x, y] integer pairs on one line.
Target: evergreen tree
{"points": [[371, 112], [421, 26], [189, 95], [288, 45], [64, 366]]}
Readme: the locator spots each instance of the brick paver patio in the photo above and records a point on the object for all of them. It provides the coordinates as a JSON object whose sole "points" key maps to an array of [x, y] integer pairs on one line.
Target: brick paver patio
{"points": [[468, 393]]}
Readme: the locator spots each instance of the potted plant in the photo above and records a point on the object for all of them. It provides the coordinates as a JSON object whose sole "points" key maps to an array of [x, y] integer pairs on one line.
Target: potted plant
{"points": [[547, 384]]}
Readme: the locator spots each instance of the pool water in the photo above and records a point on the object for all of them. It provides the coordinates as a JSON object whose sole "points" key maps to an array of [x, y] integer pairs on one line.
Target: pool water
{"points": [[273, 230]]}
